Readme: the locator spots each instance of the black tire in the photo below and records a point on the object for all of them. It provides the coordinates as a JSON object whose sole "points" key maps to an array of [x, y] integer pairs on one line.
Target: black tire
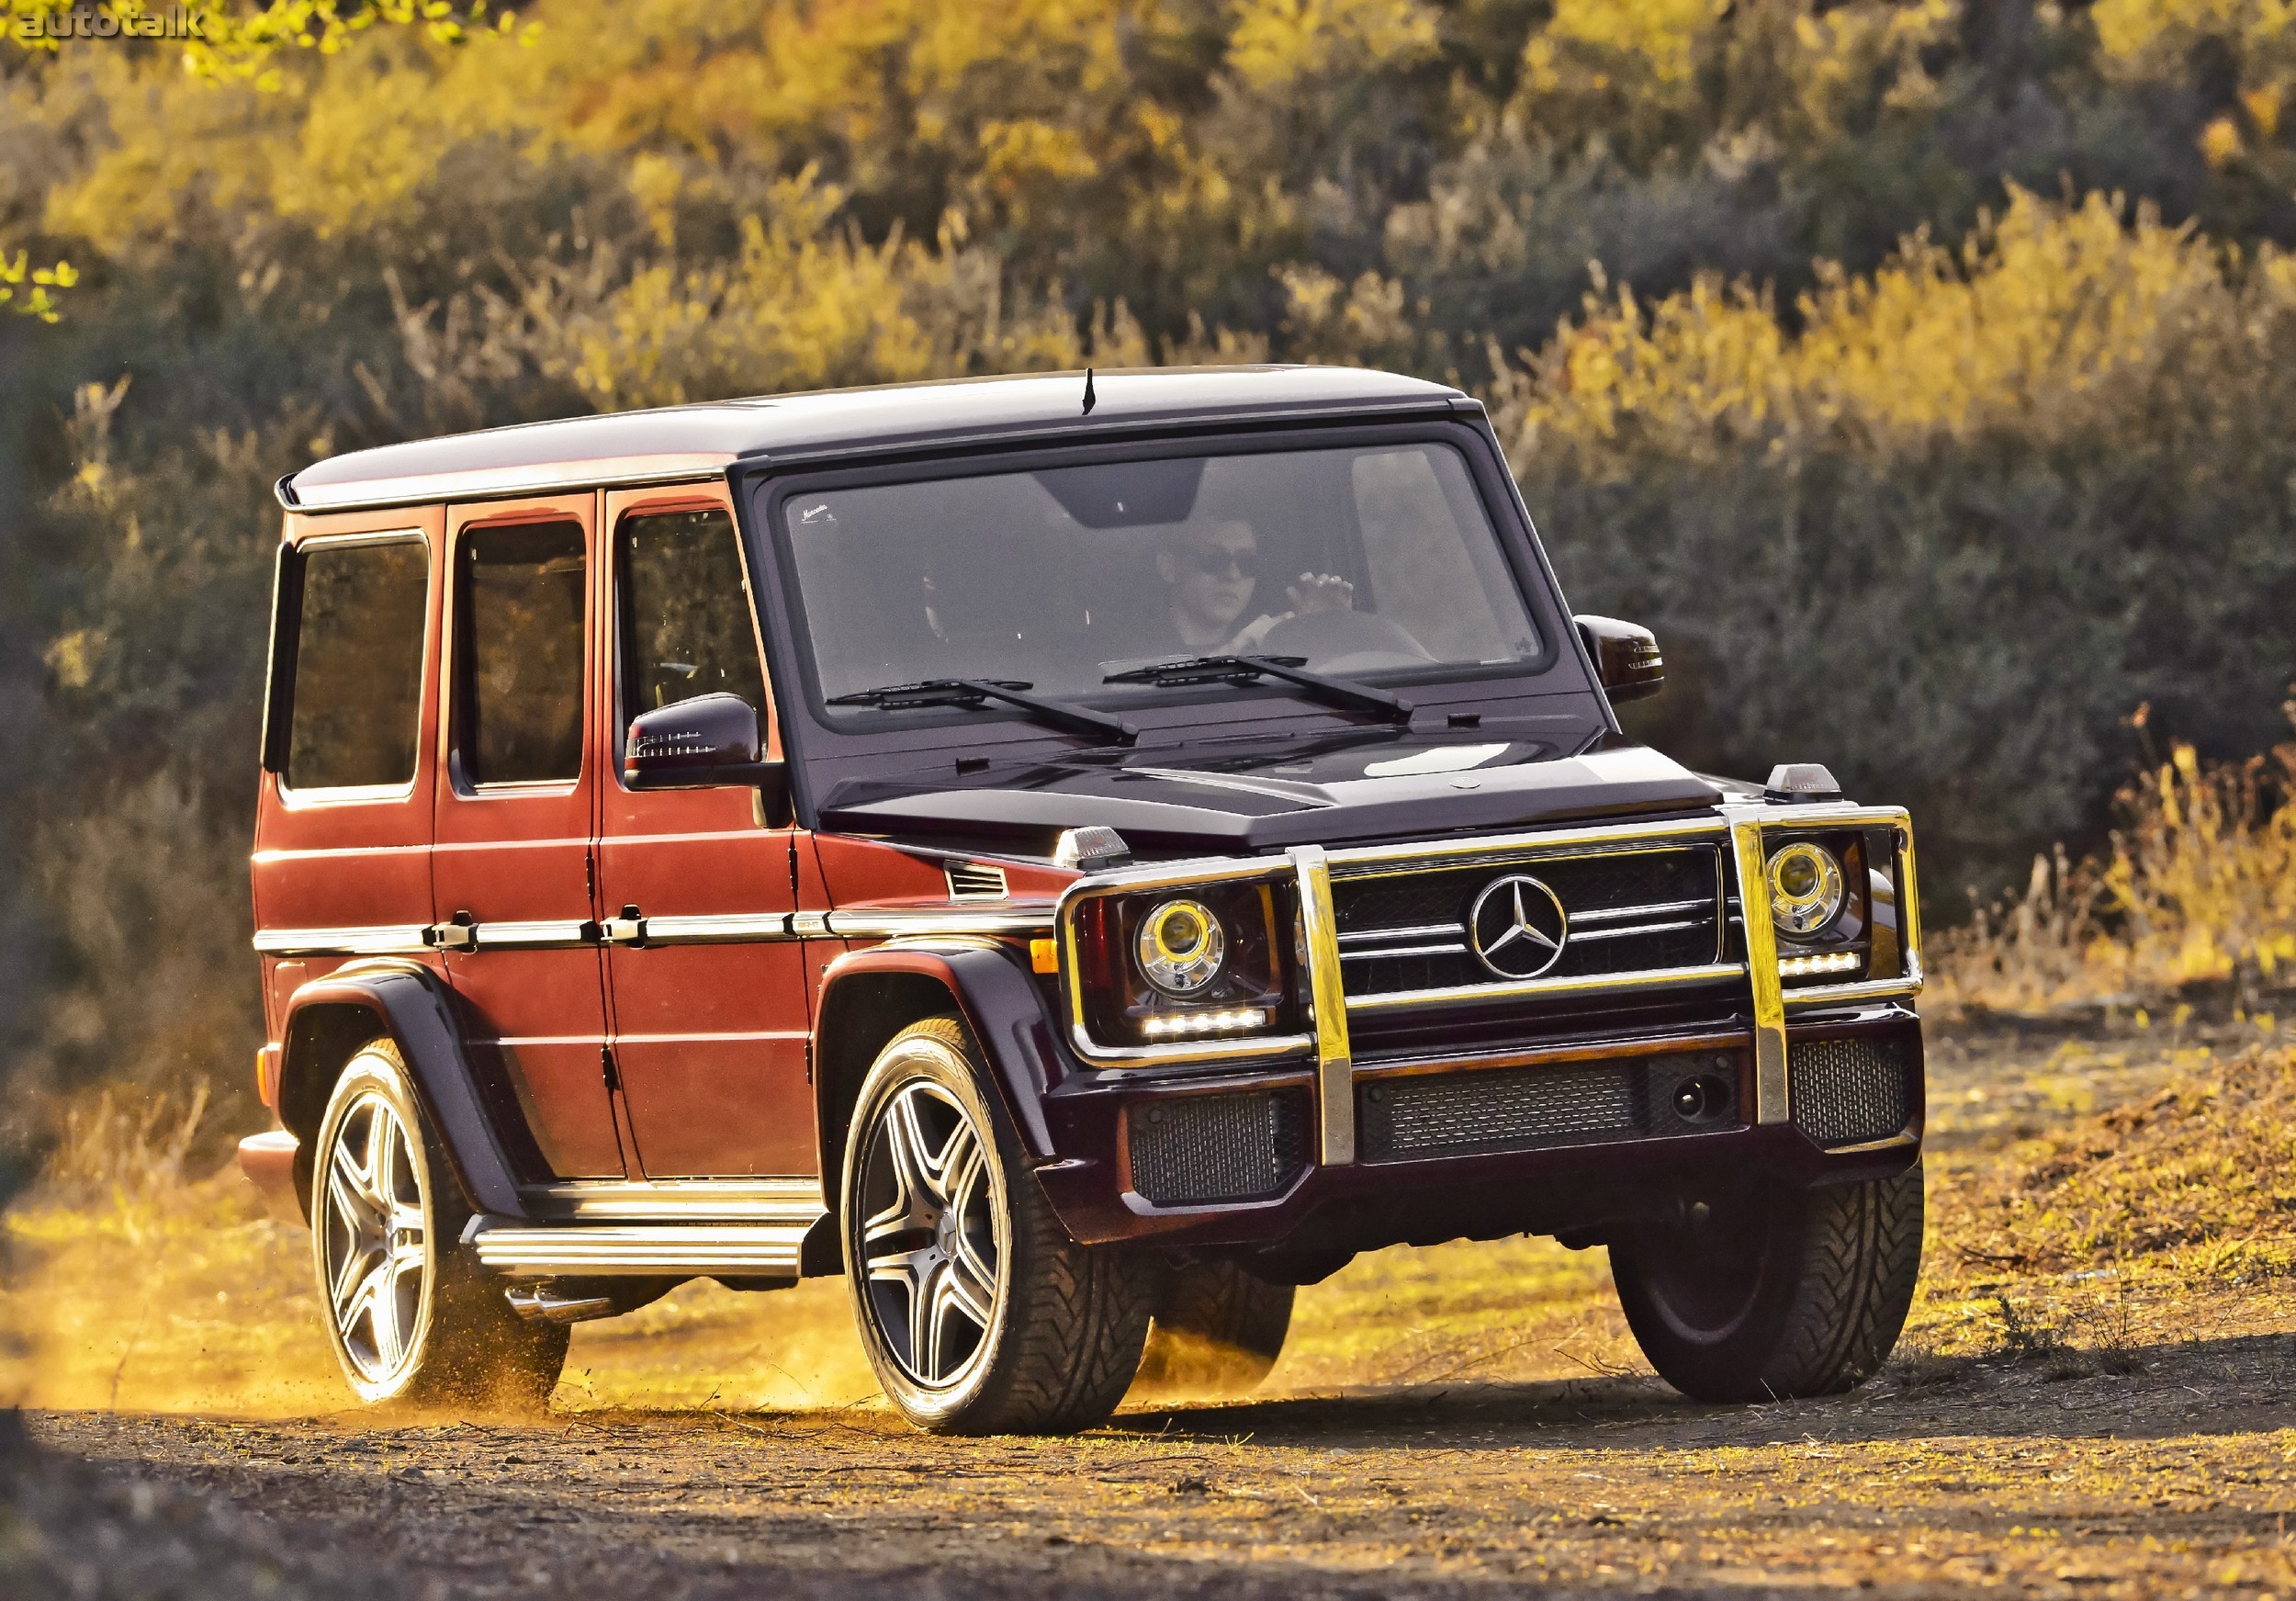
{"points": [[413, 1320], [1776, 1293], [1217, 1329], [979, 1313]]}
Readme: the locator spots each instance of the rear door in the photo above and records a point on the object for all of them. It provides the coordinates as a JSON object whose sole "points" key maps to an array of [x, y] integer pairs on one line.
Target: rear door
{"points": [[342, 863], [709, 1003], [517, 800]]}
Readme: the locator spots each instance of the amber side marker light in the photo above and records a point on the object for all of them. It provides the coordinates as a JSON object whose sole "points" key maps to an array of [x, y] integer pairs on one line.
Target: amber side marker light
{"points": [[1043, 956]]}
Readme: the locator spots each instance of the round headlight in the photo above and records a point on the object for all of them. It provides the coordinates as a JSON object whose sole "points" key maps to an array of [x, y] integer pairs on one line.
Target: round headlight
{"points": [[1180, 947], [1805, 888]]}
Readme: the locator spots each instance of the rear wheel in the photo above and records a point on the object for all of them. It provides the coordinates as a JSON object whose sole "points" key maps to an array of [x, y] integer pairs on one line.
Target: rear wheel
{"points": [[412, 1318], [979, 1313], [1217, 1329], [1774, 1293]]}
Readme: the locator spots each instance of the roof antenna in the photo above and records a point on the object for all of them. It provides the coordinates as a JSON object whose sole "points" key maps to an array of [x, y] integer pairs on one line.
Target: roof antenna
{"points": [[1091, 400]]}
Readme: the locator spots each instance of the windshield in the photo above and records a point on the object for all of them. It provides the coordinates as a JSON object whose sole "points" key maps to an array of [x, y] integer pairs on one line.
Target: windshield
{"points": [[1364, 561]]}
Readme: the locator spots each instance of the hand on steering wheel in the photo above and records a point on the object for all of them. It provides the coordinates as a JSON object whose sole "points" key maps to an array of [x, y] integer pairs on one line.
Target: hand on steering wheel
{"points": [[1320, 591]]}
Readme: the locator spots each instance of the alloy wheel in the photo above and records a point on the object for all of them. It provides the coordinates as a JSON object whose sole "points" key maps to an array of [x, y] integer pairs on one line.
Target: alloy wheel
{"points": [[375, 1244], [932, 1238]]}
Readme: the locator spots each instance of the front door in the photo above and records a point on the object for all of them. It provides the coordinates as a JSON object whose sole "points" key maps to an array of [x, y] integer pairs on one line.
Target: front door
{"points": [[709, 1003], [516, 819]]}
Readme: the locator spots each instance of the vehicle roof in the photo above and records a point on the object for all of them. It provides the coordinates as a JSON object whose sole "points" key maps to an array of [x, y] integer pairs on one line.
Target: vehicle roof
{"points": [[701, 441]]}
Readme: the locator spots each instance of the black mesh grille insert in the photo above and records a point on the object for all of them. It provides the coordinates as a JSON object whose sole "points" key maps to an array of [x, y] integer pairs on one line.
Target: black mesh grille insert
{"points": [[1217, 1148], [1518, 1109], [1848, 1090]]}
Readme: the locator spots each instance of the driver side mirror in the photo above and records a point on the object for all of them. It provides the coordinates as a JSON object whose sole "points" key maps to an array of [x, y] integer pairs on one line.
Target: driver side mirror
{"points": [[1626, 659], [707, 742]]}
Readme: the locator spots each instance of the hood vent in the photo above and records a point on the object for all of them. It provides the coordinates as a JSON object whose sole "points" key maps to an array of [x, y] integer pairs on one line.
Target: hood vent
{"points": [[977, 880]]}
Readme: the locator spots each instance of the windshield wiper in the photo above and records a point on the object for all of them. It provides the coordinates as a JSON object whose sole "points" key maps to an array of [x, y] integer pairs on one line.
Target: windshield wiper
{"points": [[973, 692], [1241, 670]]}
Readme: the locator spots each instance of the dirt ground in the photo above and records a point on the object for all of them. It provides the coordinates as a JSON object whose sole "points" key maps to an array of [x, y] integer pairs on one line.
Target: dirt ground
{"points": [[2093, 1398]]}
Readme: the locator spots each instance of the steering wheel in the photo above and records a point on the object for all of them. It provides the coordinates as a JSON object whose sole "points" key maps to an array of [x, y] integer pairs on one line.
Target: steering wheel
{"points": [[1344, 642]]}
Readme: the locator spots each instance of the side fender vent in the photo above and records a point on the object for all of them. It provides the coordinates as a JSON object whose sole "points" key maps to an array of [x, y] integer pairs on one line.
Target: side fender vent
{"points": [[977, 880]]}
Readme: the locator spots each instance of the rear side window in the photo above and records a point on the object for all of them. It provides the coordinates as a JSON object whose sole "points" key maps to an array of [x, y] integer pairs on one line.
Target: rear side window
{"points": [[686, 614], [357, 690], [520, 650]]}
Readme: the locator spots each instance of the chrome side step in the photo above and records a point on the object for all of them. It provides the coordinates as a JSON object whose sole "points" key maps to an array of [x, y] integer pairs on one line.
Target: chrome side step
{"points": [[761, 1250]]}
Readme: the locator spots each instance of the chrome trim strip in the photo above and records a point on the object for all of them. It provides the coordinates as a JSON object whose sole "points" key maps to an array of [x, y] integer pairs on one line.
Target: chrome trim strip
{"points": [[1544, 989], [809, 925], [766, 1250], [1334, 1064], [1413, 933], [390, 939], [543, 936], [1619, 914], [1637, 929], [1803, 996], [1187, 1052], [730, 930], [892, 922], [1771, 1090], [781, 1201], [1456, 948]]}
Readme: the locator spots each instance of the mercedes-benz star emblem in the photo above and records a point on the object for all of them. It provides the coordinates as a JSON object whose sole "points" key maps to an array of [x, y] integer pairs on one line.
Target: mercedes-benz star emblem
{"points": [[1518, 927]]}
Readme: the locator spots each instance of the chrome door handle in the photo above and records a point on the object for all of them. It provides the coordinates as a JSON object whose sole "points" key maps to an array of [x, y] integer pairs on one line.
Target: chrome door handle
{"points": [[629, 929]]}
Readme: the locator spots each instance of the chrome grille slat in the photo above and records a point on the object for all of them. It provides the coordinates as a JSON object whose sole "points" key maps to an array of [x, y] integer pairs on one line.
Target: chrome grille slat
{"points": [[1636, 918]]}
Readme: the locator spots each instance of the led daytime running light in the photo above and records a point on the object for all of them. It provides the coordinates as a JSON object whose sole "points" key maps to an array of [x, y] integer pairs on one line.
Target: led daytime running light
{"points": [[1831, 962], [1204, 1022]]}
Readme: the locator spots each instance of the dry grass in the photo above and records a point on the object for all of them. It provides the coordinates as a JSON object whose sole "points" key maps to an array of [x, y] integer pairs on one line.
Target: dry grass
{"points": [[2198, 887]]}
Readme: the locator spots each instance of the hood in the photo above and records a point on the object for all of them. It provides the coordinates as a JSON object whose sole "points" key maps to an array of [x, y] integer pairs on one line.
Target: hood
{"points": [[1267, 797]]}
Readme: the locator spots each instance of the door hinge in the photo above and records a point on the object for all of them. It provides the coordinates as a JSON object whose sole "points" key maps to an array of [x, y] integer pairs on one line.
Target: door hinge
{"points": [[589, 876], [809, 1061], [606, 1063]]}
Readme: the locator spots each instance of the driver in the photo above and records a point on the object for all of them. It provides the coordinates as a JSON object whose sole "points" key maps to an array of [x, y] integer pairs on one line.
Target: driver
{"points": [[1212, 569]]}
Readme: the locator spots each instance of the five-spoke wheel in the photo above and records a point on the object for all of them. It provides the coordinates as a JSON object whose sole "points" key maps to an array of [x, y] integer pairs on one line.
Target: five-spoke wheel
{"points": [[932, 1238], [978, 1312], [373, 1244], [411, 1317]]}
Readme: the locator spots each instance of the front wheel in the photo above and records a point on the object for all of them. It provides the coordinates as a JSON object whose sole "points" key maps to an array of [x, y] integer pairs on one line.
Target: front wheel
{"points": [[411, 1317], [1774, 1293], [979, 1313]]}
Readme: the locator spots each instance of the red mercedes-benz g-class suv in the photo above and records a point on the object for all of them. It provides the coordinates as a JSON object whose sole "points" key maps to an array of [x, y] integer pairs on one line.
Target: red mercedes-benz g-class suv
{"points": [[1078, 856]]}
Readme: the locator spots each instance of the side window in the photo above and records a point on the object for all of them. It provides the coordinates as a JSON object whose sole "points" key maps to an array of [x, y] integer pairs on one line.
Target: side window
{"points": [[686, 627], [357, 690], [520, 649]]}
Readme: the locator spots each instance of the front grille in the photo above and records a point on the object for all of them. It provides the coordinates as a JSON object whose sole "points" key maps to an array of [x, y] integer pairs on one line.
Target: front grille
{"points": [[1521, 1109], [1627, 910], [1846, 1091], [1201, 1148]]}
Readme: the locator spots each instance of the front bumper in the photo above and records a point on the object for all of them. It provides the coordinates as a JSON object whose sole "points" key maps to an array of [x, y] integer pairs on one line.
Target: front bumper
{"points": [[1543, 1181], [1468, 1133]]}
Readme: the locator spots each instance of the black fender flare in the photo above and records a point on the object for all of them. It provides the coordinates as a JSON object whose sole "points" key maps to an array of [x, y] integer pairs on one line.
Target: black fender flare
{"points": [[867, 996], [411, 1005]]}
